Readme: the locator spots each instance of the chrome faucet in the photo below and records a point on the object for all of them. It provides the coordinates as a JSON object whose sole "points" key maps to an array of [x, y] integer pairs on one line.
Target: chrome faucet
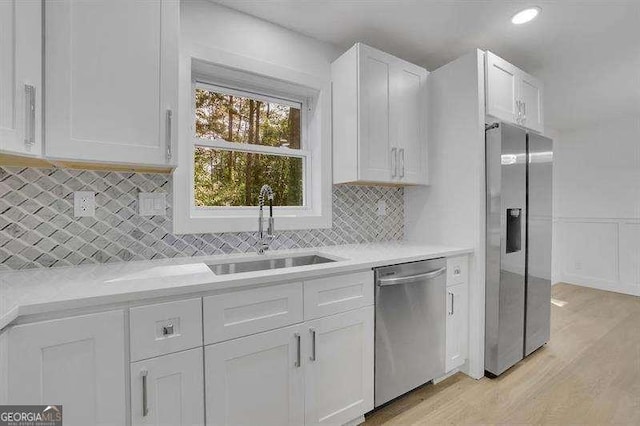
{"points": [[265, 191]]}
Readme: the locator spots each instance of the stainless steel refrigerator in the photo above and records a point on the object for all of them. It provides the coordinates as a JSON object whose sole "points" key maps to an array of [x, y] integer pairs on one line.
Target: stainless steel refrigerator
{"points": [[518, 245]]}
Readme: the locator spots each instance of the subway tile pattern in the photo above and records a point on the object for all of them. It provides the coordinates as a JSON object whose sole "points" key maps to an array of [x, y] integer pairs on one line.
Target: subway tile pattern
{"points": [[38, 229]]}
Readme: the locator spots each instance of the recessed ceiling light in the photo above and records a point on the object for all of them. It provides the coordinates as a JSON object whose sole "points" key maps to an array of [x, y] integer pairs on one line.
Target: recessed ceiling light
{"points": [[525, 16]]}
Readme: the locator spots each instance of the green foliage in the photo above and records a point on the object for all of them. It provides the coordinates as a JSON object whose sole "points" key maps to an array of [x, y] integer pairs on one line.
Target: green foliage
{"points": [[234, 178]]}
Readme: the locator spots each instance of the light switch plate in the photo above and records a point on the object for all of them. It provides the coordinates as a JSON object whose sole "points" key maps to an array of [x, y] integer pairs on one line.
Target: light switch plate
{"points": [[84, 204], [152, 203]]}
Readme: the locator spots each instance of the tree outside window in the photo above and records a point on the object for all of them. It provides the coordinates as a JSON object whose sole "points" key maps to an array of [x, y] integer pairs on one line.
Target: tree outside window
{"points": [[259, 141]]}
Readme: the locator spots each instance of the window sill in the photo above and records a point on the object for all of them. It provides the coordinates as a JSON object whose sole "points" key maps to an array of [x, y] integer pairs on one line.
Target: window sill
{"points": [[208, 225]]}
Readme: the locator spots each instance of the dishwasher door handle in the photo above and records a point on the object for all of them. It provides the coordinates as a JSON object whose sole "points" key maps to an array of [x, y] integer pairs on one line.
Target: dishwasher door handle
{"points": [[411, 278]]}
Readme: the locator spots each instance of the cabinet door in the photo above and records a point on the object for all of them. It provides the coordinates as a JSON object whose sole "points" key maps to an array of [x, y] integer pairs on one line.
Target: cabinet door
{"points": [[20, 77], [168, 390], [256, 380], [502, 88], [339, 370], [531, 97], [111, 80], [457, 326], [408, 118], [78, 362], [375, 163]]}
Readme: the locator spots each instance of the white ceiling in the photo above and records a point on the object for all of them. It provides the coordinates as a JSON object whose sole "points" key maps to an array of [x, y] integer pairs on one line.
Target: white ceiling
{"points": [[586, 52]]}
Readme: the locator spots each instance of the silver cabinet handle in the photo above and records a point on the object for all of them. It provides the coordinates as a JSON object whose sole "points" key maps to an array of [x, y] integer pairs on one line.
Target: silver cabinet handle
{"points": [[411, 278], [168, 133], [313, 344], [402, 158], [452, 296], [29, 115], [519, 113], [524, 113], [145, 407], [394, 162], [297, 361]]}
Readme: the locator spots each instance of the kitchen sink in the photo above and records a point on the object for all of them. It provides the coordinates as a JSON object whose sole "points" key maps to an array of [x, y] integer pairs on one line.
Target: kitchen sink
{"points": [[224, 268]]}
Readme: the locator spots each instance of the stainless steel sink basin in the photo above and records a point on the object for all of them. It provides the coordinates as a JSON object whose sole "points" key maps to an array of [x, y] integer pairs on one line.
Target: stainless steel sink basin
{"points": [[224, 268]]}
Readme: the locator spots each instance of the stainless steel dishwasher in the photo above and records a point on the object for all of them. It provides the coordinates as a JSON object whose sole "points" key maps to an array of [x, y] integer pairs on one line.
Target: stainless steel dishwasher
{"points": [[410, 327]]}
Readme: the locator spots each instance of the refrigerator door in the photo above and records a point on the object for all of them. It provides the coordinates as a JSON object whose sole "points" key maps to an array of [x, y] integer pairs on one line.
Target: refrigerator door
{"points": [[506, 171], [539, 226]]}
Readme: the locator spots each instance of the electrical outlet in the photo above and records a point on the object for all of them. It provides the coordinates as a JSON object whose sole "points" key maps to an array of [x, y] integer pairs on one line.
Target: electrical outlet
{"points": [[382, 208], [578, 265], [84, 204], [152, 203]]}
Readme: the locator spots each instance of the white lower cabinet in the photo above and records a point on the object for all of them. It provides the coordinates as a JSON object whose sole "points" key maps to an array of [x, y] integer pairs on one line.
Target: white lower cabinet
{"points": [[168, 390], [339, 370], [457, 326], [78, 362], [256, 380], [318, 372]]}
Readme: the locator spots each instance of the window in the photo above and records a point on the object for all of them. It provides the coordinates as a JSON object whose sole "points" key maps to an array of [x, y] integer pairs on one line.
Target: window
{"points": [[239, 130], [244, 141]]}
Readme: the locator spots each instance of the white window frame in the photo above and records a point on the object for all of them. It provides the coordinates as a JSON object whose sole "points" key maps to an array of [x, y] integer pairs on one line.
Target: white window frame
{"points": [[303, 153], [270, 83]]}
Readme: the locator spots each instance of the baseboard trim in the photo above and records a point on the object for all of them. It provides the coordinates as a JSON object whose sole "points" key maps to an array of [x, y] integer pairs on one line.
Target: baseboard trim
{"points": [[355, 422], [624, 288], [446, 376]]}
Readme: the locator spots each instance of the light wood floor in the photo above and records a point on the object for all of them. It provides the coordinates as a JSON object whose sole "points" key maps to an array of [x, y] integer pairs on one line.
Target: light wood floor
{"points": [[589, 373]]}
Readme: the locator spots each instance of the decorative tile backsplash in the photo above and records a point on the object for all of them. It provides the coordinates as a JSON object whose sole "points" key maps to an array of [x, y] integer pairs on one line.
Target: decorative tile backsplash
{"points": [[38, 229]]}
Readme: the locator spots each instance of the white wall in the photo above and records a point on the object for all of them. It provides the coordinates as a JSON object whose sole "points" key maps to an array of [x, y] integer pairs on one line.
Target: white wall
{"points": [[216, 41], [597, 206], [451, 211], [214, 26]]}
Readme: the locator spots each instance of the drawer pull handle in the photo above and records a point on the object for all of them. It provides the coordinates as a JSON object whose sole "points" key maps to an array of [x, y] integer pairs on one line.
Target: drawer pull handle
{"points": [[313, 344], [167, 330], [297, 362], [145, 407]]}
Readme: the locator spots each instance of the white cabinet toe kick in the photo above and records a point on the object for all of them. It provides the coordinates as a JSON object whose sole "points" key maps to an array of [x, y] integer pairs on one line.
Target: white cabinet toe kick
{"points": [[293, 353]]}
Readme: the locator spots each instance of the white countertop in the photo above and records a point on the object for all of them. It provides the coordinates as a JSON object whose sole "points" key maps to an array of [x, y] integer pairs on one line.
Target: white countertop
{"points": [[55, 289]]}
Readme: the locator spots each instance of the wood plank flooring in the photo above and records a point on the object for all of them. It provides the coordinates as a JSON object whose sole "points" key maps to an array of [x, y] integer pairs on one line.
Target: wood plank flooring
{"points": [[589, 373]]}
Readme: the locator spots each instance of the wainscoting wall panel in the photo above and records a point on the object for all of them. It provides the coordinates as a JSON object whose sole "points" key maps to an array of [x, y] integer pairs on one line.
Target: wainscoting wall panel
{"points": [[600, 253]]}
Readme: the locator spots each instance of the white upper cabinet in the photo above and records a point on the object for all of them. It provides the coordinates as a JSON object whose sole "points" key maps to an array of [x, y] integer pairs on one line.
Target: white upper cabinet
{"points": [[513, 95], [111, 80], [408, 121], [502, 89], [20, 77], [374, 88], [379, 119], [531, 97]]}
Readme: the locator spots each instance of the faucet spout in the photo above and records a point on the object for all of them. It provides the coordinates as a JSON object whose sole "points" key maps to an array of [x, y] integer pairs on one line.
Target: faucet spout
{"points": [[267, 192]]}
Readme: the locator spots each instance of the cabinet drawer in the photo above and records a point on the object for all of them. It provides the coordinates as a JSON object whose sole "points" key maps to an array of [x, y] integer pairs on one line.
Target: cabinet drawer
{"points": [[331, 295], [165, 328], [231, 315], [457, 270]]}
